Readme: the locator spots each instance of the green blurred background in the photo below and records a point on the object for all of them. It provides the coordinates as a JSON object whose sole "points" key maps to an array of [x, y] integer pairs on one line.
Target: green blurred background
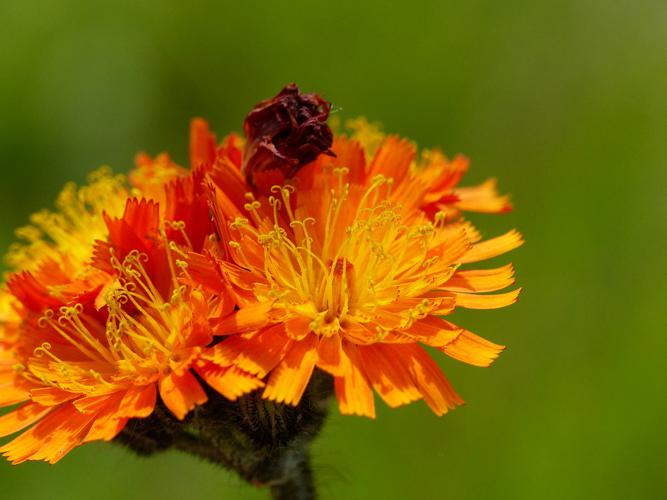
{"points": [[564, 101]]}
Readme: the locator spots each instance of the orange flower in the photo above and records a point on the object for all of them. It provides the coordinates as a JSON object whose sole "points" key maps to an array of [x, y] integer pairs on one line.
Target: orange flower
{"points": [[102, 323], [348, 267], [303, 250]]}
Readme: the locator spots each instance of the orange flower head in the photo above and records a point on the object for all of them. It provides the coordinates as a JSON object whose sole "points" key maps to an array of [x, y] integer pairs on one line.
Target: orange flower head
{"points": [[103, 319], [298, 248], [348, 266]]}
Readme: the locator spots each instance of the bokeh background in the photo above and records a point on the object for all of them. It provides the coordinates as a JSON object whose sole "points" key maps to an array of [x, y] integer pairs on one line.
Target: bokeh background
{"points": [[564, 101]]}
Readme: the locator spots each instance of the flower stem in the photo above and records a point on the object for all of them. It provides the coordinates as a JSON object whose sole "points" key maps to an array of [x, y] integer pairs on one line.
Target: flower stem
{"points": [[298, 483], [194, 446], [265, 443]]}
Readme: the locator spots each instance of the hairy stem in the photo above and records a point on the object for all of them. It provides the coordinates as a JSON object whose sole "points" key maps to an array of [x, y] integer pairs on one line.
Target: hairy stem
{"points": [[265, 443], [194, 446], [298, 483]]}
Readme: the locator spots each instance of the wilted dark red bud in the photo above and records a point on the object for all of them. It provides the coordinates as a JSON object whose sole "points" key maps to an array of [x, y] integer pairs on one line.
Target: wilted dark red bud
{"points": [[285, 133]]}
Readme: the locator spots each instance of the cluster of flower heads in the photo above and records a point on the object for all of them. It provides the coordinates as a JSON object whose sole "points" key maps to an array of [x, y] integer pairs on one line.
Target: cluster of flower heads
{"points": [[273, 255]]}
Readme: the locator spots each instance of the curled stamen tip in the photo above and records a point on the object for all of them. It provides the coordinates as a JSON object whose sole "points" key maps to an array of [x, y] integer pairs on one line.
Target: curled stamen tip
{"points": [[42, 349], [275, 202], [254, 205], [47, 316]]}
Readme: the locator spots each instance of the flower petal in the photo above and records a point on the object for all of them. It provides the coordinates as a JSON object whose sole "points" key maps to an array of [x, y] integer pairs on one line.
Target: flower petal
{"points": [[433, 331], [230, 381], [290, 378], [482, 280], [330, 356], [252, 317], [181, 393], [434, 387], [483, 198], [388, 373], [353, 391], [106, 427], [202, 144], [21, 418], [107, 424], [493, 247], [138, 402], [473, 349], [51, 396], [476, 301], [257, 355], [393, 159], [298, 327], [11, 395], [52, 438]]}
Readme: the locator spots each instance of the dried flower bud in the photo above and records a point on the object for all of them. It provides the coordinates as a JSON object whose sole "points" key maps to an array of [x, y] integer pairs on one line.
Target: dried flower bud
{"points": [[286, 132]]}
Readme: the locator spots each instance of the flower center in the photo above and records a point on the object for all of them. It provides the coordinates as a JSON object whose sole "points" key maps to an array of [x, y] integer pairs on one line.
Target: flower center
{"points": [[141, 338], [338, 264]]}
